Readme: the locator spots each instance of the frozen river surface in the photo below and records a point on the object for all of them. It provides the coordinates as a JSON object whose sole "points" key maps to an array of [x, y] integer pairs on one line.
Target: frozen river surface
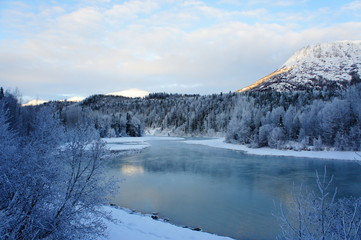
{"points": [[221, 191]]}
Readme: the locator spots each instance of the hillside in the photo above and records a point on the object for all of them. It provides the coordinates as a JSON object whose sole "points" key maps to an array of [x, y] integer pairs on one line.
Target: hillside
{"points": [[323, 66]]}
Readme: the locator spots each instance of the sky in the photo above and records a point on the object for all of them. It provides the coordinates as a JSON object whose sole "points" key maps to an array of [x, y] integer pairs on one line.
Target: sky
{"points": [[56, 49]]}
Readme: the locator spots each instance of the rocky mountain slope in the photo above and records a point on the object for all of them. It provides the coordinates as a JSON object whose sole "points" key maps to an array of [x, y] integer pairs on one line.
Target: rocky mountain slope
{"points": [[329, 66]]}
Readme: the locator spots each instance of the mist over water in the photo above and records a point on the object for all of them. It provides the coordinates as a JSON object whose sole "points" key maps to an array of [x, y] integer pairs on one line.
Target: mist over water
{"points": [[221, 191]]}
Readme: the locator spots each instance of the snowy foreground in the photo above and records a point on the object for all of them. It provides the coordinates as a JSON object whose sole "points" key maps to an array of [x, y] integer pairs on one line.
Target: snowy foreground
{"points": [[143, 227], [134, 226]]}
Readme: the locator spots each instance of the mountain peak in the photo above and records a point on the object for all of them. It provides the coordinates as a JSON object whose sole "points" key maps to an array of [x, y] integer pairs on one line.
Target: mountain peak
{"points": [[34, 102], [132, 93], [332, 65], [75, 99], [334, 51]]}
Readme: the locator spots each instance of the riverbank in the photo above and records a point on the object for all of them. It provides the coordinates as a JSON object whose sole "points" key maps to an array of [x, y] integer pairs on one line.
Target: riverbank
{"points": [[134, 143], [135, 226], [334, 155], [139, 143]]}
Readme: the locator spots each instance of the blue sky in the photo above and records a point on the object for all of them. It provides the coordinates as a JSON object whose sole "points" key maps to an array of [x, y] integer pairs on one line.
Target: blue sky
{"points": [[54, 49]]}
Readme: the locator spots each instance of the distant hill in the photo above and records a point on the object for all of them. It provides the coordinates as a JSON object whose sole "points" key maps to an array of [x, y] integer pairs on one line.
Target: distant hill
{"points": [[328, 66], [34, 102], [132, 93]]}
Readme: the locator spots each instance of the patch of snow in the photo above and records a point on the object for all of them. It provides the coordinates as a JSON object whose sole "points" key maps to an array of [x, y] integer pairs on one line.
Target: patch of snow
{"points": [[156, 132], [132, 93], [331, 61], [34, 102], [75, 99], [335, 155], [134, 143], [132, 226], [126, 146], [176, 132]]}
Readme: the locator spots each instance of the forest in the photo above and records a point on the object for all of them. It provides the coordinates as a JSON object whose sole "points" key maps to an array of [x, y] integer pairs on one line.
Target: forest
{"points": [[302, 120], [51, 176]]}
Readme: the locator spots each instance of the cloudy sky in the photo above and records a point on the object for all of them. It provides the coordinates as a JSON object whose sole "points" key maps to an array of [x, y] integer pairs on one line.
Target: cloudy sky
{"points": [[55, 49]]}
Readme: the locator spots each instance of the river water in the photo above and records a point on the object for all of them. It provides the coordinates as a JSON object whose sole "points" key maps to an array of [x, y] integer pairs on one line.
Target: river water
{"points": [[221, 191]]}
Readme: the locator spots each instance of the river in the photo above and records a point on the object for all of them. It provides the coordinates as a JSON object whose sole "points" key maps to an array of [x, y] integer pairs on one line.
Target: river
{"points": [[221, 191]]}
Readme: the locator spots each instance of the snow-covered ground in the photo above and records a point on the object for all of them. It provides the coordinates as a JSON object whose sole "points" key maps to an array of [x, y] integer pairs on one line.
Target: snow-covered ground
{"points": [[143, 227], [219, 143]]}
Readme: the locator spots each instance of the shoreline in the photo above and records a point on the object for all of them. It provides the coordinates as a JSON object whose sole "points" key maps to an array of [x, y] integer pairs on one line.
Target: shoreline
{"points": [[325, 155], [135, 225], [136, 144], [138, 226]]}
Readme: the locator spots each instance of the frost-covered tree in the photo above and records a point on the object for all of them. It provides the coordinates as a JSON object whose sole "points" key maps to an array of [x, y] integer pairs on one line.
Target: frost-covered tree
{"points": [[83, 189], [276, 137], [303, 117], [50, 180], [299, 120], [318, 215], [291, 123], [1, 92]]}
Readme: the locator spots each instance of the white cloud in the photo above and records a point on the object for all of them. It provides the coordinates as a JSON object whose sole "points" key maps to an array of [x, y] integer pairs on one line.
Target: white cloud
{"points": [[231, 2], [143, 44], [50, 11], [352, 6], [81, 22], [285, 3], [281, 3], [131, 8]]}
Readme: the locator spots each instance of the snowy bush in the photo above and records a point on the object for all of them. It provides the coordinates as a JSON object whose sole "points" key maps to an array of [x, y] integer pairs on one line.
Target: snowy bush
{"points": [[264, 133], [317, 143], [318, 215], [51, 182], [276, 138]]}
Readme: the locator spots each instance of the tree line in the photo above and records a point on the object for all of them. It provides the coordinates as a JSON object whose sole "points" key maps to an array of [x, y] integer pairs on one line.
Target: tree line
{"points": [[299, 120], [313, 120]]}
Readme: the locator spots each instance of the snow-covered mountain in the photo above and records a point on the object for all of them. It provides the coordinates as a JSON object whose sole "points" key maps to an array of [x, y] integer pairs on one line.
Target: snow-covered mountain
{"points": [[34, 102], [132, 93], [75, 99], [323, 66]]}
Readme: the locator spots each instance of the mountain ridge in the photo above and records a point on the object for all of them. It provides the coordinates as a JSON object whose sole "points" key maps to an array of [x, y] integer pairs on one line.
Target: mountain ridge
{"points": [[132, 93], [334, 65]]}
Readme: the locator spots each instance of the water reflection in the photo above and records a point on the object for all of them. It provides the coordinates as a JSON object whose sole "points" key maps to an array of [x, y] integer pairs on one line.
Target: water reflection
{"points": [[131, 170], [221, 191]]}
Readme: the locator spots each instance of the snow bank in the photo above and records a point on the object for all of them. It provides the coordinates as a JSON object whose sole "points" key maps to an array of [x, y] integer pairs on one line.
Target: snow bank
{"points": [[133, 143], [219, 143], [141, 227], [179, 132]]}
